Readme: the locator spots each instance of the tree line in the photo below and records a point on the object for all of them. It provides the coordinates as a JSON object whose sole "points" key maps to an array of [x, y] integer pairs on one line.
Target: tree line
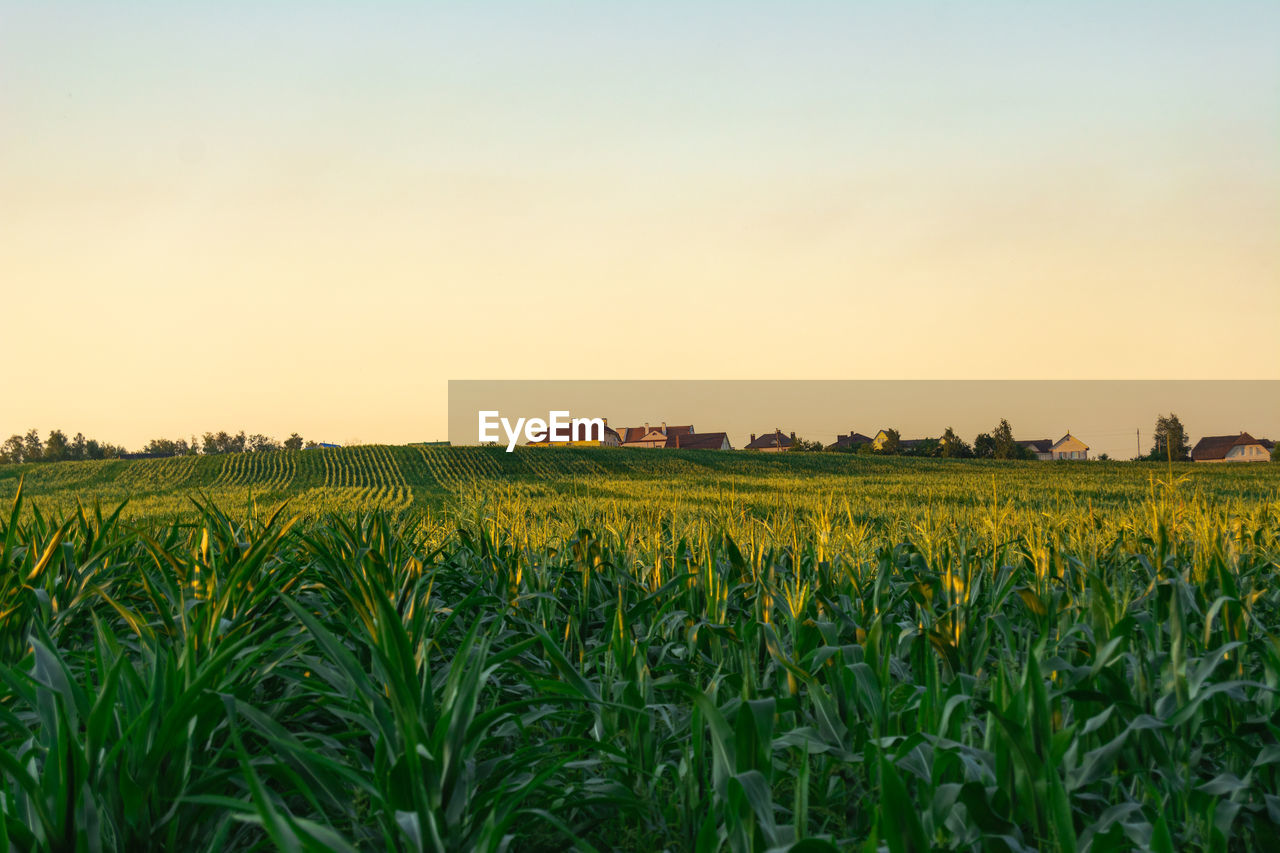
{"points": [[58, 448], [1170, 441], [30, 448], [999, 443]]}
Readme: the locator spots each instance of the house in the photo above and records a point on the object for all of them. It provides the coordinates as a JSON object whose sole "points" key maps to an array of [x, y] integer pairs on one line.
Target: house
{"points": [[1067, 447], [610, 439], [699, 441], [905, 445], [1038, 446], [771, 442], [647, 436], [852, 441], [1231, 448]]}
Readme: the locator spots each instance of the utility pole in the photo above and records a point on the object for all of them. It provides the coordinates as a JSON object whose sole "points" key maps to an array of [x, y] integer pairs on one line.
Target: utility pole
{"points": [[1137, 434]]}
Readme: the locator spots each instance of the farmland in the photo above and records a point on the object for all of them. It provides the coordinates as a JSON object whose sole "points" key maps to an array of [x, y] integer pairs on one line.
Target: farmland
{"points": [[457, 648], [556, 487]]}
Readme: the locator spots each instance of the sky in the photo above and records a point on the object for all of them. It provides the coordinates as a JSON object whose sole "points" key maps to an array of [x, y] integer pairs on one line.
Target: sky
{"points": [[311, 216]]}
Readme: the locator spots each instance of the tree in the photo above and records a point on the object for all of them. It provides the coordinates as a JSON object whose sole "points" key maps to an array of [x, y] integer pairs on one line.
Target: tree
{"points": [[161, 447], [293, 442], [984, 446], [78, 447], [13, 450], [32, 446], [1171, 441], [800, 445], [924, 447], [891, 442], [954, 447], [219, 442], [1002, 438], [259, 442], [56, 448], [1275, 452]]}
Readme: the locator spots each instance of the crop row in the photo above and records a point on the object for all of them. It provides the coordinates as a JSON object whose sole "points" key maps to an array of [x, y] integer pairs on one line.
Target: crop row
{"points": [[361, 467], [270, 471], [455, 467], [156, 475]]}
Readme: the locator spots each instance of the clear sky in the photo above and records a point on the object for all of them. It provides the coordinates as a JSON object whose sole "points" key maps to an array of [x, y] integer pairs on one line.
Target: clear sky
{"points": [[310, 216]]}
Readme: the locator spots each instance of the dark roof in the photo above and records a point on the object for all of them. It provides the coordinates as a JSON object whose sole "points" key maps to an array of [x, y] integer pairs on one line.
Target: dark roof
{"points": [[1039, 445], [1218, 446], [777, 438], [851, 439], [1267, 443], [697, 441], [630, 434]]}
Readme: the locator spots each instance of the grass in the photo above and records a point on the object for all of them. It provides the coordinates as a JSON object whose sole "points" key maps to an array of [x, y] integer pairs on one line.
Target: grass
{"points": [[807, 654]]}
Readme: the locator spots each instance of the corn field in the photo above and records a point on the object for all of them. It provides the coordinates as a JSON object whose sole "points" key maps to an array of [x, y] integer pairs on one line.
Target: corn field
{"points": [[433, 649]]}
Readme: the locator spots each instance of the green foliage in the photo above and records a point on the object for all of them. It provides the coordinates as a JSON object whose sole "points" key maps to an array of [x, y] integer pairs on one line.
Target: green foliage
{"points": [[56, 448], [826, 652], [951, 446], [18, 449], [1170, 440], [563, 487], [1004, 446], [890, 445], [927, 447]]}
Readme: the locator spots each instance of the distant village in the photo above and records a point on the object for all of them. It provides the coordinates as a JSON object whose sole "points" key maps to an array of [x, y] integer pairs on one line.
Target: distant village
{"points": [[1169, 442], [999, 444]]}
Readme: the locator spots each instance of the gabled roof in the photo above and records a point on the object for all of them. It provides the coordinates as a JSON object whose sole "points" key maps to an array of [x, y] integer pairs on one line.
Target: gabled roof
{"points": [[777, 438], [698, 441], [1267, 443], [1039, 445], [1063, 440], [1218, 446]]}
